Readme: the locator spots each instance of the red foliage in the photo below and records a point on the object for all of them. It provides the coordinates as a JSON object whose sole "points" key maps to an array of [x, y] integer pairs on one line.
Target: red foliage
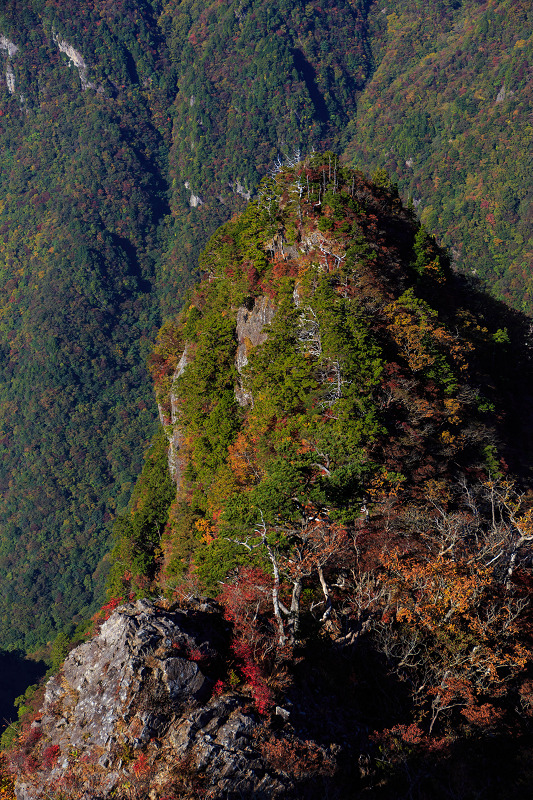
{"points": [[298, 757], [248, 607], [483, 716], [252, 276], [105, 612], [108, 608], [402, 740], [50, 755], [141, 767], [30, 764], [254, 675], [195, 654], [31, 738], [191, 653]]}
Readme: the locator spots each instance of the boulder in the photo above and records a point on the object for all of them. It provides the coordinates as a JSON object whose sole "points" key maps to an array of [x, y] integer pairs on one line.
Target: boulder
{"points": [[135, 707]]}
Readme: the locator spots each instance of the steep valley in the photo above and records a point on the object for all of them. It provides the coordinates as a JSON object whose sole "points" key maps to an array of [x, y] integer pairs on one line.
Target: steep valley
{"points": [[129, 133]]}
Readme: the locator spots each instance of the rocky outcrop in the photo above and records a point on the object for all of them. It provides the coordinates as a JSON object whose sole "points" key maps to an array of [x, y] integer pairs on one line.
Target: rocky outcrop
{"points": [[250, 332], [137, 707], [175, 437], [238, 188], [10, 48], [76, 59], [251, 323], [7, 45], [176, 461], [504, 94], [194, 200]]}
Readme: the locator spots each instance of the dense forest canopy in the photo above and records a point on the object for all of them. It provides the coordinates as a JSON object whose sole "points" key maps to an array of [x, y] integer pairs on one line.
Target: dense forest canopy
{"points": [[446, 112], [99, 238], [129, 132]]}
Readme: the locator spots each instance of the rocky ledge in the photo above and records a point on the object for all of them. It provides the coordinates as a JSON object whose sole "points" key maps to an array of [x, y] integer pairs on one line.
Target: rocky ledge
{"points": [[137, 712]]}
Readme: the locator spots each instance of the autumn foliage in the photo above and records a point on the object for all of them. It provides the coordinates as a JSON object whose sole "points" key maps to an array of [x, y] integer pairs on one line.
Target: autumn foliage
{"points": [[247, 606], [343, 484]]}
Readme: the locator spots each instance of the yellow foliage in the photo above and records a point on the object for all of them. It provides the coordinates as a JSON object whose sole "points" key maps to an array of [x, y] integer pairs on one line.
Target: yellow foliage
{"points": [[7, 788], [437, 491], [205, 529], [447, 437], [452, 408], [433, 270], [420, 336]]}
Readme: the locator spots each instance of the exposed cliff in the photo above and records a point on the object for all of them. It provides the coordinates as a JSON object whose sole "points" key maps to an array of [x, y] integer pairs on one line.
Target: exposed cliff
{"points": [[137, 709]]}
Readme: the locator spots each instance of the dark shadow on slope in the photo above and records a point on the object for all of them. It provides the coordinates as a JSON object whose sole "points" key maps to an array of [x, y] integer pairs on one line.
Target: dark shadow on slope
{"points": [[143, 283], [342, 697], [339, 697], [16, 674], [130, 66], [483, 767], [307, 73], [503, 366]]}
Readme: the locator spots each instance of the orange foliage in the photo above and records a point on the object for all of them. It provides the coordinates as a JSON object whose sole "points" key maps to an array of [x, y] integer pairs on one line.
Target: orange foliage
{"points": [[420, 336], [385, 487], [468, 633], [243, 461], [207, 530]]}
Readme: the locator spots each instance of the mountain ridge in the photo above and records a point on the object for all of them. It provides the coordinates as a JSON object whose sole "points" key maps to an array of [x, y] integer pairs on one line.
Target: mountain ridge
{"points": [[339, 483], [100, 240]]}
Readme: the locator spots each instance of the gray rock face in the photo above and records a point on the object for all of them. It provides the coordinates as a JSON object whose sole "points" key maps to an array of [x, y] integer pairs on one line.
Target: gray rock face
{"points": [[173, 431], [11, 49], [135, 707], [102, 680], [75, 58], [251, 333]]}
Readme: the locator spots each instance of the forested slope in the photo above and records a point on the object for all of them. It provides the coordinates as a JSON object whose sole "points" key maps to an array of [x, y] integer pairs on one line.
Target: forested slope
{"points": [[81, 196], [129, 132], [447, 113], [102, 112], [347, 428]]}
